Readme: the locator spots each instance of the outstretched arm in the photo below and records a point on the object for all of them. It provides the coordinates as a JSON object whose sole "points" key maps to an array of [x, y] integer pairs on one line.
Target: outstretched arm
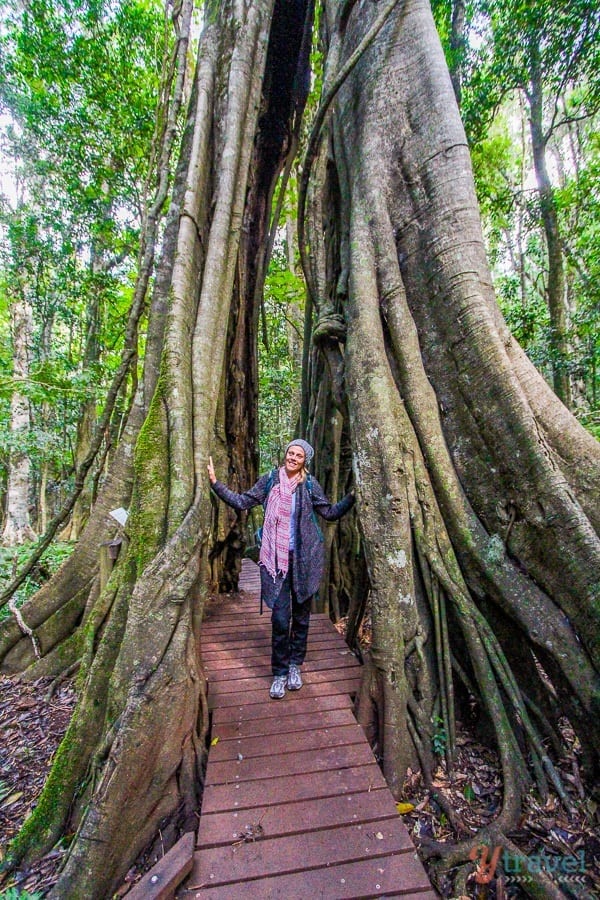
{"points": [[247, 499], [327, 510]]}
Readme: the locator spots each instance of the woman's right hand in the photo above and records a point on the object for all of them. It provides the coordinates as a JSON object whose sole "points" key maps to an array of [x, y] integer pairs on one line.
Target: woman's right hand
{"points": [[211, 470]]}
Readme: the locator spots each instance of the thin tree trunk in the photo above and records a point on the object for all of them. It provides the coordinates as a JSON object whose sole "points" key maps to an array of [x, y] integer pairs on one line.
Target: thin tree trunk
{"points": [[17, 527], [88, 415], [556, 287], [458, 45], [43, 500]]}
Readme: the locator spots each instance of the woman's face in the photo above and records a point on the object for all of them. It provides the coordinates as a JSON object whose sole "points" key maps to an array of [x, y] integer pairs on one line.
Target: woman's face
{"points": [[294, 460]]}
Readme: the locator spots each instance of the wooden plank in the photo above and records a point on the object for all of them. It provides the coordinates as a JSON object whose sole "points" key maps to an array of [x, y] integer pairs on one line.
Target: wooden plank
{"points": [[399, 875], [289, 742], [242, 642], [237, 634], [316, 661], [239, 628], [242, 632], [293, 818], [272, 725], [318, 656], [235, 653], [245, 617], [297, 774], [241, 863], [235, 619], [268, 709], [259, 667], [290, 764], [239, 698], [243, 606], [227, 631], [282, 789], [162, 879], [243, 648], [253, 682], [225, 668]]}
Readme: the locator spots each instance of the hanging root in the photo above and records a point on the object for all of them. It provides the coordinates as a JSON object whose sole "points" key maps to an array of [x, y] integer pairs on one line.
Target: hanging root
{"points": [[26, 630]]}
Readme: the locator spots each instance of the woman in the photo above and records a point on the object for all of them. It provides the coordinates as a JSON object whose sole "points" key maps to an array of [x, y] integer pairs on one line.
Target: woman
{"points": [[291, 553]]}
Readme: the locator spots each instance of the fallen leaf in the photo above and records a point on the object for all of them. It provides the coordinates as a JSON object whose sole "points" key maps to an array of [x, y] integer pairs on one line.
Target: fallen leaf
{"points": [[404, 808], [214, 741], [12, 799], [468, 793]]}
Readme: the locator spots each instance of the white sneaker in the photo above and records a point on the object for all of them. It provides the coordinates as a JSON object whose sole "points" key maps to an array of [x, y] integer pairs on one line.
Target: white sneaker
{"points": [[294, 679], [278, 687]]}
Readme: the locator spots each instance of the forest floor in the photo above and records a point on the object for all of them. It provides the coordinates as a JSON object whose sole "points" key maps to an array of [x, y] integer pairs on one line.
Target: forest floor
{"points": [[32, 724]]}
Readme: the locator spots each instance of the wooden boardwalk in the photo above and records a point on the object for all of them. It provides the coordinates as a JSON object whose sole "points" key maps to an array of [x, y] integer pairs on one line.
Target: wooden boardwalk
{"points": [[294, 803]]}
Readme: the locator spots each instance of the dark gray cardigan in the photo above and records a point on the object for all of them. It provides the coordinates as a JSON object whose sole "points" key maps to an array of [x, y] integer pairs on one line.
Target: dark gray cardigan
{"points": [[309, 557]]}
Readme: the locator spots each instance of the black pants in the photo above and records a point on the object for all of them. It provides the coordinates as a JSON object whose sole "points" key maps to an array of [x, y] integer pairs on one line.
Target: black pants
{"points": [[290, 627]]}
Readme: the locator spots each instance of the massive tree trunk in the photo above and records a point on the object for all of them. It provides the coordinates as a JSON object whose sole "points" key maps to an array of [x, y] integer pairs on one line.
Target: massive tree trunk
{"points": [[132, 756], [17, 527], [472, 478]]}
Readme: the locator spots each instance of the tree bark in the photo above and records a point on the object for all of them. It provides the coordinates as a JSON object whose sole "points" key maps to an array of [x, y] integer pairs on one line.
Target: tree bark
{"points": [[284, 95]]}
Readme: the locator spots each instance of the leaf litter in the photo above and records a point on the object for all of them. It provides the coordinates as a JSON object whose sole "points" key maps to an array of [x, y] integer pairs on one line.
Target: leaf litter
{"points": [[544, 832], [32, 726]]}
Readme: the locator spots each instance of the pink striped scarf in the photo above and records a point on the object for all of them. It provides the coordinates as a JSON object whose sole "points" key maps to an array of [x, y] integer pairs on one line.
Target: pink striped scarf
{"points": [[275, 545]]}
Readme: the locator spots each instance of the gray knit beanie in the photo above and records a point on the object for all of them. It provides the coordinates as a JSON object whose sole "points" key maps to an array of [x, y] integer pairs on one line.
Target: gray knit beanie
{"points": [[308, 450]]}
